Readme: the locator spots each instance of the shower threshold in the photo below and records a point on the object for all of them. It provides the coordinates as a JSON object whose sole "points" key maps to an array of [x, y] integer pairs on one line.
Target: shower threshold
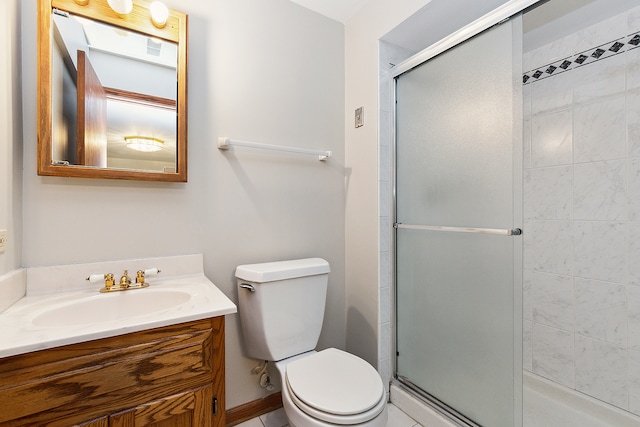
{"points": [[448, 415]]}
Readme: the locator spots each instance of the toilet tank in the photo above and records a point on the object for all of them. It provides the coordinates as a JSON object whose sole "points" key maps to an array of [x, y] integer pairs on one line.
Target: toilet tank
{"points": [[281, 306]]}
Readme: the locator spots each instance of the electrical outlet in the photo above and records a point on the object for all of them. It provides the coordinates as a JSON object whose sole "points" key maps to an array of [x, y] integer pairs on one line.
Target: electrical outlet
{"points": [[3, 240]]}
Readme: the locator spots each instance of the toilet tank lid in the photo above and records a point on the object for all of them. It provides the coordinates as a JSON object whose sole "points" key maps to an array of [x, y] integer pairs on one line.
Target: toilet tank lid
{"points": [[280, 270]]}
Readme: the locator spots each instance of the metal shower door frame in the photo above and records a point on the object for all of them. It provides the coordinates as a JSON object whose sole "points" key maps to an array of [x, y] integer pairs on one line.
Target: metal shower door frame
{"points": [[495, 17]]}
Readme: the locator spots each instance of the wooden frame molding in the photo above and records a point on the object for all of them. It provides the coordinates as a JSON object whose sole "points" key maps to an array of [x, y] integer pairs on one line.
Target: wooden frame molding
{"points": [[253, 409]]}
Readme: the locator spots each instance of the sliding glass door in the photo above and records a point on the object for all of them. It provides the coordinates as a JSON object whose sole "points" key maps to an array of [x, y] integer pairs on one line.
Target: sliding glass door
{"points": [[458, 218]]}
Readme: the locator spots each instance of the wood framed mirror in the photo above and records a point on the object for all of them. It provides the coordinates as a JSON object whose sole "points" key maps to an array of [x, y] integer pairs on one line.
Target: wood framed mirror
{"points": [[112, 92]]}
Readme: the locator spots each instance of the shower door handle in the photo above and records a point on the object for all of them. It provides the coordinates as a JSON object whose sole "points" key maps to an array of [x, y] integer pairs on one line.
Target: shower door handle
{"points": [[497, 231]]}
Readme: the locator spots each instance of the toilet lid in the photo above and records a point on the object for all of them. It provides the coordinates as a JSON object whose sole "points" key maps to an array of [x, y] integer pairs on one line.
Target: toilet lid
{"points": [[335, 382]]}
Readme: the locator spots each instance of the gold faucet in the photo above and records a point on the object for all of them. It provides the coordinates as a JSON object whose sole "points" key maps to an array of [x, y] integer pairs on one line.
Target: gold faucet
{"points": [[140, 276], [125, 280], [108, 281]]}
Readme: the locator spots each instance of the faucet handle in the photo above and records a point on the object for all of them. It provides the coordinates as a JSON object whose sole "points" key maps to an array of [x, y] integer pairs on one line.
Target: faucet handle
{"points": [[107, 277], [96, 277], [152, 271], [140, 276]]}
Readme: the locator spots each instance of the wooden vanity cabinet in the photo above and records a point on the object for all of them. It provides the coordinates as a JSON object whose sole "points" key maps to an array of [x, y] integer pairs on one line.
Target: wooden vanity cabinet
{"points": [[166, 377]]}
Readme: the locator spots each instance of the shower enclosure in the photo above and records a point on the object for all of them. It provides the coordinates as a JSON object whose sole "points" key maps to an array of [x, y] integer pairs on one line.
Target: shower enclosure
{"points": [[533, 123], [458, 218]]}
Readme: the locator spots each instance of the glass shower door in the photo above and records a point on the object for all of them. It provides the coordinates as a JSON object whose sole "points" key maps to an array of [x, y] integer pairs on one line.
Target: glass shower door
{"points": [[458, 250]]}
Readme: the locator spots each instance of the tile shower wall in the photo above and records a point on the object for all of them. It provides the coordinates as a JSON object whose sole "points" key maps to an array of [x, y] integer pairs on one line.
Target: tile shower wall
{"points": [[582, 211], [388, 56]]}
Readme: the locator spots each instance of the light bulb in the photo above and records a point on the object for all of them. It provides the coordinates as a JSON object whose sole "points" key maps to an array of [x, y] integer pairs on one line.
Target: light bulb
{"points": [[121, 7], [159, 14]]}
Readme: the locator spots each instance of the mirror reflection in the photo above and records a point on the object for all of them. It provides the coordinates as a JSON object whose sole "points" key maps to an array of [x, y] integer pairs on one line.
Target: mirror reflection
{"points": [[114, 96]]}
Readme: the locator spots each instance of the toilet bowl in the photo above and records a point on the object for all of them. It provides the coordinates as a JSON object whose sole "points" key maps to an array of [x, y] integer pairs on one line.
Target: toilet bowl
{"points": [[281, 307], [332, 387]]}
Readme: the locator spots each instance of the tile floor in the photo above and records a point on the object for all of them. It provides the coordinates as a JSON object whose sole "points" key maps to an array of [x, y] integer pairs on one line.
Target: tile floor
{"points": [[397, 418]]}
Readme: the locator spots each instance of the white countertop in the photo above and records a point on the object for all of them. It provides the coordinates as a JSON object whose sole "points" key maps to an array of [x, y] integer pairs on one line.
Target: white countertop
{"points": [[22, 332]]}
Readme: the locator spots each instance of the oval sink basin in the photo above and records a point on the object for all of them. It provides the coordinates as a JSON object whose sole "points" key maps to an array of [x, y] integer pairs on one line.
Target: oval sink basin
{"points": [[111, 307]]}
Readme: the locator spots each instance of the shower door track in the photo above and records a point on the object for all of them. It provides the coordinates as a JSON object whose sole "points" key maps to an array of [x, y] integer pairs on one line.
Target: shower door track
{"points": [[435, 404]]}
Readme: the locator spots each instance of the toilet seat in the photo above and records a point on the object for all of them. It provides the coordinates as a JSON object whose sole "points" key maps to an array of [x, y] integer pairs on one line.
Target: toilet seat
{"points": [[336, 387]]}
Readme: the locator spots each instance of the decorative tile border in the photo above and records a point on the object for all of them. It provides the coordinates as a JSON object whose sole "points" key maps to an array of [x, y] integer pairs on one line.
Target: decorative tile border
{"points": [[592, 55]]}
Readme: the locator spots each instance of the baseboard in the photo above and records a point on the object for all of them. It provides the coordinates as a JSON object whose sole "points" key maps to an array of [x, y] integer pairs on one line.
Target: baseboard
{"points": [[253, 409]]}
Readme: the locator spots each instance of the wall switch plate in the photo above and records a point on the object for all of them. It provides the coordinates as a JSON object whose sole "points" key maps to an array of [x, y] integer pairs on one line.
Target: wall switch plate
{"points": [[359, 117], [3, 240]]}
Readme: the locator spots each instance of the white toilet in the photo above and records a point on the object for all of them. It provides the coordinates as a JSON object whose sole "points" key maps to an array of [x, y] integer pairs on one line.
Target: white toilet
{"points": [[281, 308]]}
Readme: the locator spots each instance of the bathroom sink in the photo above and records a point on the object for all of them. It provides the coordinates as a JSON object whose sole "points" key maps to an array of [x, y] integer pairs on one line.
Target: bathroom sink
{"points": [[100, 308]]}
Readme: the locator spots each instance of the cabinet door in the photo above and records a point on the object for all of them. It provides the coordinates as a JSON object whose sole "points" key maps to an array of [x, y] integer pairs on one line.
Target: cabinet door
{"points": [[188, 409], [100, 422]]}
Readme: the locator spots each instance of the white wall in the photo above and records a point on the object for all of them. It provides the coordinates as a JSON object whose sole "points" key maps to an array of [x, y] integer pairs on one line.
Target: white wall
{"points": [[362, 33], [263, 70], [10, 149]]}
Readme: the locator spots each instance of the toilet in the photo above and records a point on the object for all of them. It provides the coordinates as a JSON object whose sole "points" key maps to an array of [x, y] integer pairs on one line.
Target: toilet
{"points": [[281, 306]]}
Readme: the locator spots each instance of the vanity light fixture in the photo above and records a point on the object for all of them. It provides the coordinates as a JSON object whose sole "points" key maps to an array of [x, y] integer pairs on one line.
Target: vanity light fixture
{"points": [[121, 7], [159, 14], [146, 144]]}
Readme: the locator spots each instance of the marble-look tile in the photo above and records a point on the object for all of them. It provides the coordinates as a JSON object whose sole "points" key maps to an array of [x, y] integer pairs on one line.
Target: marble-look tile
{"points": [[385, 304], [599, 130], [553, 354], [634, 381], [275, 418], [601, 310], [551, 247], [384, 163], [385, 269], [527, 298], [254, 422], [526, 143], [633, 121], [551, 52], [527, 350], [633, 293], [385, 198], [600, 251], [397, 418], [633, 20], [383, 55], [552, 139], [526, 101], [384, 369], [385, 234], [601, 371], [602, 32], [548, 193], [384, 95], [398, 54], [633, 188], [551, 94], [599, 79], [633, 242], [385, 133], [526, 61], [633, 69], [600, 191], [384, 343], [553, 300]]}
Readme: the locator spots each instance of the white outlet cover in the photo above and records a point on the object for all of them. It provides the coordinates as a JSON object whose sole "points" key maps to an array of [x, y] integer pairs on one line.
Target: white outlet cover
{"points": [[3, 240], [359, 117]]}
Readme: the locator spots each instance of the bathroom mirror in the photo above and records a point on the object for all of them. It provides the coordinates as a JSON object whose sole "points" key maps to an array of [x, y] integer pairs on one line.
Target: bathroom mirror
{"points": [[112, 91]]}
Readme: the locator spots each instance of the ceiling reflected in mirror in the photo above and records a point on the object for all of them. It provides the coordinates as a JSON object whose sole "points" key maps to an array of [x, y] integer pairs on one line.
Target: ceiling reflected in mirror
{"points": [[113, 87]]}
